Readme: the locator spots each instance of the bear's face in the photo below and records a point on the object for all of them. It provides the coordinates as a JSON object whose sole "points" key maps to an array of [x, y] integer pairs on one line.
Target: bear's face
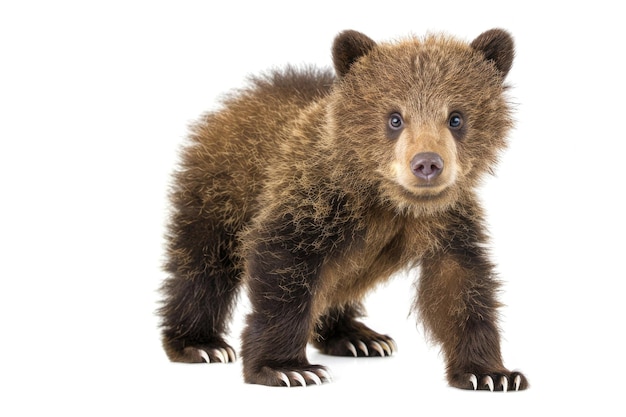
{"points": [[423, 120]]}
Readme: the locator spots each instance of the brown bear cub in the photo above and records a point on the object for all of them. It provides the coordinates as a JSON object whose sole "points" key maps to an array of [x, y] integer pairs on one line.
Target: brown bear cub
{"points": [[311, 188]]}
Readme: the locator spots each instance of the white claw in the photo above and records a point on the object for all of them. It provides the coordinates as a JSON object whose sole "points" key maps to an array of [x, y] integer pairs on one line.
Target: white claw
{"points": [[351, 348], [386, 348], [474, 381], [363, 348], [504, 381], [219, 355], [489, 382], [204, 355], [284, 378], [231, 354], [324, 374], [517, 382], [313, 377], [378, 348], [392, 344], [298, 377]]}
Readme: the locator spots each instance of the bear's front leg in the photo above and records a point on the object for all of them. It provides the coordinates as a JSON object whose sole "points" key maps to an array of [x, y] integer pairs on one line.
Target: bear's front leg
{"points": [[282, 280], [456, 301]]}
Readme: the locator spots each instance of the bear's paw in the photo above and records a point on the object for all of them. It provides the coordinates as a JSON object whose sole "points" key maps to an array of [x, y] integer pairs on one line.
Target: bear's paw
{"points": [[223, 355], [356, 339], [291, 376], [381, 347], [210, 353], [492, 381]]}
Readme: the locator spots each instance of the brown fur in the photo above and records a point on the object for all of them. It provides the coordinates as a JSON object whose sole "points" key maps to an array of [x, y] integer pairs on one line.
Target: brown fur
{"points": [[301, 187]]}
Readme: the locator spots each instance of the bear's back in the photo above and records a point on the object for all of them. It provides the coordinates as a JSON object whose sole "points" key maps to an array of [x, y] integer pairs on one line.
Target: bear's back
{"points": [[224, 164]]}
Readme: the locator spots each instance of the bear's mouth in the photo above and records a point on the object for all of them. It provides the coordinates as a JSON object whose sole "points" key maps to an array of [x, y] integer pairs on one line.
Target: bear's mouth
{"points": [[422, 189], [426, 190], [414, 195], [424, 193]]}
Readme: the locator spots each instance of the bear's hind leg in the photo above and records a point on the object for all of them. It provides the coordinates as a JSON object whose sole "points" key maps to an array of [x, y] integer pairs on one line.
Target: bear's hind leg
{"points": [[194, 322], [199, 294], [338, 333]]}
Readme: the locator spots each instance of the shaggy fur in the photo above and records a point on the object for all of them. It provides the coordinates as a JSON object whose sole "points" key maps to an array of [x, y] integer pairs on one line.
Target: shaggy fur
{"points": [[312, 188]]}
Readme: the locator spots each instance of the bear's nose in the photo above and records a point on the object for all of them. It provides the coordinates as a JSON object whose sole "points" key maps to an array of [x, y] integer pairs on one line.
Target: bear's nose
{"points": [[426, 165]]}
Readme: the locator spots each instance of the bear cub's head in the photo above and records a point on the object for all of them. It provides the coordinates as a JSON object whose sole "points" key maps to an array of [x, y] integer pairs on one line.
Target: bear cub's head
{"points": [[423, 119]]}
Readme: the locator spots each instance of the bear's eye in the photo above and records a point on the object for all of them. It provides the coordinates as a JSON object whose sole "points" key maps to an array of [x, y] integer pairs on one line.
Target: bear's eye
{"points": [[455, 121], [395, 121]]}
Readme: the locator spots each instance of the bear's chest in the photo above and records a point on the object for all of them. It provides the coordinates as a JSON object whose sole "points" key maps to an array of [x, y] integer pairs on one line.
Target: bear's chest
{"points": [[389, 244]]}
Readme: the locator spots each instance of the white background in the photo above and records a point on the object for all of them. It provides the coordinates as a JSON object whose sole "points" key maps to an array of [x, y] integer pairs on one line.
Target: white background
{"points": [[95, 98]]}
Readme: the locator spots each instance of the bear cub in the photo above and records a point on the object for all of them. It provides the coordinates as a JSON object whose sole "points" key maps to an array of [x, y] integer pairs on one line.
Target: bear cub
{"points": [[311, 187]]}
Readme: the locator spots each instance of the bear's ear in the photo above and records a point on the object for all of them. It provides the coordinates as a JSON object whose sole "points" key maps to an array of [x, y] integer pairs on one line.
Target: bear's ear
{"points": [[348, 47], [497, 46]]}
